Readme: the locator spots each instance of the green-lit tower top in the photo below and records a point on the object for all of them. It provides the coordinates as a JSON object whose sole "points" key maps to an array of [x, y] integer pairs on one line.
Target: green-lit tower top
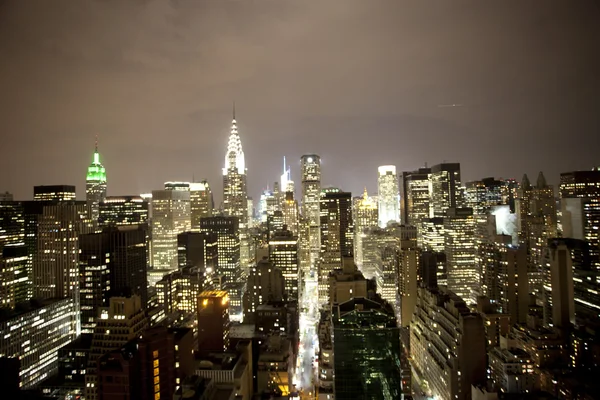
{"points": [[96, 171]]}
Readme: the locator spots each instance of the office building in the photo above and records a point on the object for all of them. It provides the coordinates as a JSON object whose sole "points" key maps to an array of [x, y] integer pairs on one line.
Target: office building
{"points": [[580, 206], [365, 216], [311, 197], [199, 250], [56, 264], [336, 235], [229, 273], [388, 195], [201, 203], [179, 290], [283, 253], [444, 189], [117, 324], [15, 286], [213, 321], [347, 283], [366, 350], [95, 186], [505, 279], [266, 284], [112, 263], [512, 371], [34, 333], [143, 368], [459, 246], [54, 193], [447, 344], [170, 217], [12, 223], [123, 210], [415, 195], [289, 210]]}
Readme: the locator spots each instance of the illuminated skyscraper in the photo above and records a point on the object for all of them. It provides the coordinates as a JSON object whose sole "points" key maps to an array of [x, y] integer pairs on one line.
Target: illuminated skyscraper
{"points": [[283, 253], [201, 203], [170, 217], [365, 216], [388, 195], [415, 192], [235, 192], [444, 189], [311, 196], [336, 235], [580, 206], [123, 210], [95, 186], [463, 273], [54, 193]]}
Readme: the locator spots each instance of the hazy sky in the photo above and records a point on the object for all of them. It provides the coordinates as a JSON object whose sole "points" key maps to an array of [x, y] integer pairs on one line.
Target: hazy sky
{"points": [[358, 82]]}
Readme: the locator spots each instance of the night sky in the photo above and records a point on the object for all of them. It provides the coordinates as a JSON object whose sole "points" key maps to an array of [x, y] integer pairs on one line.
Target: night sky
{"points": [[358, 82]]}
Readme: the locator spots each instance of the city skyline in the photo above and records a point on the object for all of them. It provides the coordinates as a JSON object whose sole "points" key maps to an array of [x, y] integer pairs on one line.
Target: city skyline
{"points": [[422, 95]]}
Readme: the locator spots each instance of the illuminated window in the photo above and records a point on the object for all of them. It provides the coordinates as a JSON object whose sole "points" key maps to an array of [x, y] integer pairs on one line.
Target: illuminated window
{"points": [[155, 354], [155, 363]]}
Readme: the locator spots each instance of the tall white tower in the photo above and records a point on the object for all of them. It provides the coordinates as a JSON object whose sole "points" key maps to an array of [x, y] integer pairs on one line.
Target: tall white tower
{"points": [[311, 198], [388, 195]]}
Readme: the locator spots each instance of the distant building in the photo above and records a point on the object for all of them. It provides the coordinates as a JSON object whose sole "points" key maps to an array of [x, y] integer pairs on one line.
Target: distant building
{"points": [[388, 195], [201, 203], [123, 210], [213, 321], [415, 192], [311, 197], [54, 193], [283, 253], [444, 183], [95, 186]]}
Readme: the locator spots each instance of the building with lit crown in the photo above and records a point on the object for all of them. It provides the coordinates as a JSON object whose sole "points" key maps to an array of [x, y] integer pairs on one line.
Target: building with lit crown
{"points": [[95, 186], [365, 216]]}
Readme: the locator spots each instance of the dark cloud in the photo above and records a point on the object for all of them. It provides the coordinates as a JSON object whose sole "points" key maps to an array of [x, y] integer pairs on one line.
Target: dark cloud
{"points": [[358, 82]]}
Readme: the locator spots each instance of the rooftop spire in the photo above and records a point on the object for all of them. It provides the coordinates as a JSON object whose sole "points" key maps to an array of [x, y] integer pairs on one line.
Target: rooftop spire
{"points": [[234, 110], [96, 144]]}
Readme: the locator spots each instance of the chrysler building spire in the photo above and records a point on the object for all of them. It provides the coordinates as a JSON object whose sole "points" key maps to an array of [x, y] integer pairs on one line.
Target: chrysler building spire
{"points": [[234, 158]]}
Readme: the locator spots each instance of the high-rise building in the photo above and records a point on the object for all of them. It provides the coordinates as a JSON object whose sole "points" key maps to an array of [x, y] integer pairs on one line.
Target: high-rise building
{"points": [[56, 265], [117, 324], [15, 286], [283, 253], [34, 334], [201, 203], [365, 216], [112, 263], [415, 192], [95, 186], [537, 222], [459, 246], [388, 195], [54, 193], [266, 284], [289, 209], [311, 197], [12, 223], [580, 206], [213, 321], [198, 250], [444, 189], [229, 274], [143, 368], [366, 349], [447, 344], [179, 290], [170, 217], [336, 235], [235, 192], [123, 210]]}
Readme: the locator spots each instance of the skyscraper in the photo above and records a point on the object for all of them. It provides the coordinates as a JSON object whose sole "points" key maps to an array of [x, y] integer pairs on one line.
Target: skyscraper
{"points": [[201, 202], [283, 253], [95, 186], [415, 193], [337, 238], [111, 263], [235, 192], [388, 195], [54, 193], [311, 196], [213, 321], [365, 216], [123, 210], [170, 216], [444, 189]]}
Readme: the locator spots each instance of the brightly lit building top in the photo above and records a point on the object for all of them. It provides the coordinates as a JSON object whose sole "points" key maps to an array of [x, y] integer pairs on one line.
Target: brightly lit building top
{"points": [[234, 159], [96, 171]]}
